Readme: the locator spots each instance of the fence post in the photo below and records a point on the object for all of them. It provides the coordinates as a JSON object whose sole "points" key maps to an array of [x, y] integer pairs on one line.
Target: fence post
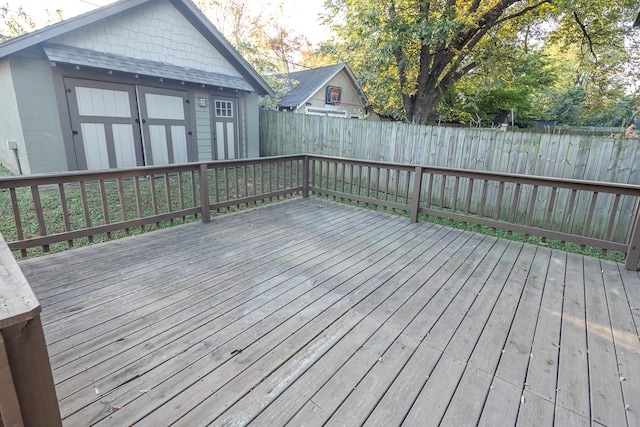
{"points": [[417, 188], [305, 177], [204, 193], [633, 253]]}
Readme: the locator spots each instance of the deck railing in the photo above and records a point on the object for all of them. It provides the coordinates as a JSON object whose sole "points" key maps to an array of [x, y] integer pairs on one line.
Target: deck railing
{"points": [[62, 209], [86, 207], [596, 214]]}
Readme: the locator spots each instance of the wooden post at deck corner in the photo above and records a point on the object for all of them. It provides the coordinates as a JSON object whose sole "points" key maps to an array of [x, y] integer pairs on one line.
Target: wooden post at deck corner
{"points": [[417, 188], [204, 193], [633, 253], [27, 391], [305, 177]]}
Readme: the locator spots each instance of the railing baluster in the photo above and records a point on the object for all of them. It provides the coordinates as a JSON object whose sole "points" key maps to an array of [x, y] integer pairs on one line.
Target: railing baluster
{"points": [[612, 217], [386, 188], [193, 190], [181, 193], [123, 204], [42, 228], [429, 191], [167, 186], [136, 189], [587, 225], [467, 202], [456, 186], [105, 205], [483, 199], [406, 187], [154, 198], [16, 216], [85, 208], [550, 209], [514, 206], [496, 209], [443, 186], [397, 188], [65, 212]]}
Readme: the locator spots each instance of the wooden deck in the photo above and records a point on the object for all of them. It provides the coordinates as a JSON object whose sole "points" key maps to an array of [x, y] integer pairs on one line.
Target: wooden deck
{"points": [[309, 312]]}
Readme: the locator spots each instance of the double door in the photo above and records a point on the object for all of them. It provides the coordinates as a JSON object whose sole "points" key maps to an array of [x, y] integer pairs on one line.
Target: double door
{"points": [[119, 126]]}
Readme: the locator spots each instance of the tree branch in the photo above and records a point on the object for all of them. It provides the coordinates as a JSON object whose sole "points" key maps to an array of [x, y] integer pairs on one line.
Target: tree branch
{"points": [[522, 12], [586, 34]]}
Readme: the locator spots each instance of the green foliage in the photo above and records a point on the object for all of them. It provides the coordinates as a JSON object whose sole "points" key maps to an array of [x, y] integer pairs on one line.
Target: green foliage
{"points": [[480, 57]]}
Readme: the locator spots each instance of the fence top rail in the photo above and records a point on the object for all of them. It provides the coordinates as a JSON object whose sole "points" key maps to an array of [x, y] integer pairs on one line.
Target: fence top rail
{"points": [[84, 176], [595, 186], [18, 303]]}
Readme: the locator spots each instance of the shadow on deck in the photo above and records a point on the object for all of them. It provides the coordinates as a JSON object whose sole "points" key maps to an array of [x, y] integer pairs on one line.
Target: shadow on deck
{"points": [[309, 311]]}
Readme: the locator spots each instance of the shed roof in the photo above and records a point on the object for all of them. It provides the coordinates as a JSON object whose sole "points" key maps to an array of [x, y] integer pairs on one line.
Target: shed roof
{"points": [[186, 7], [304, 84]]}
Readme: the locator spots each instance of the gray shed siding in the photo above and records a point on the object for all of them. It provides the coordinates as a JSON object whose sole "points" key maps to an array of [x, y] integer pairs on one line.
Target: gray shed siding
{"points": [[203, 127], [154, 31], [38, 109], [10, 127]]}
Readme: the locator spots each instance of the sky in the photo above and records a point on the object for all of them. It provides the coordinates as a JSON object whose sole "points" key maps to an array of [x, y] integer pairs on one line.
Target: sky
{"points": [[303, 20]]}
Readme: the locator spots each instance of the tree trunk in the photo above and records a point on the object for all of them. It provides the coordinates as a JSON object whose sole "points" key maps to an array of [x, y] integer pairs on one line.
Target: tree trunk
{"points": [[418, 108]]}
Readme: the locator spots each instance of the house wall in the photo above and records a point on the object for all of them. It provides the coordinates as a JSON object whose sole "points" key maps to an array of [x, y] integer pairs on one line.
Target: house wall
{"points": [[203, 126], [154, 31], [350, 100], [39, 116], [10, 127]]}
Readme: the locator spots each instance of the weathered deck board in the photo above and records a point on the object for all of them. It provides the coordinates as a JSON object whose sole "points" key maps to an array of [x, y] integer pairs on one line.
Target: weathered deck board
{"points": [[345, 316]]}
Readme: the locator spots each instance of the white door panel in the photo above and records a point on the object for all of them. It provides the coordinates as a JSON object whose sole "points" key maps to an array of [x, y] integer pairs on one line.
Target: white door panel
{"points": [[95, 146], [220, 141], [124, 143], [164, 106], [158, 140], [231, 141], [179, 143], [102, 102]]}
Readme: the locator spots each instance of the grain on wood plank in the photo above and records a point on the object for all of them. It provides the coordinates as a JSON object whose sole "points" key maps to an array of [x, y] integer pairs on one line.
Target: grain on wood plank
{"points": [[431, 404], [535, 411], [468, 398], [543, 367], [607, 403], [363, 399], [364, 255], [573, 370], [564, 417], [502, 404]]}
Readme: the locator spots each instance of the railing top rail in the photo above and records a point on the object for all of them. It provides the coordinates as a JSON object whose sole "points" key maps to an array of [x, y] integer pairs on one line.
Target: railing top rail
{"points": [[18, 303], [77, 176], [599, 186]]}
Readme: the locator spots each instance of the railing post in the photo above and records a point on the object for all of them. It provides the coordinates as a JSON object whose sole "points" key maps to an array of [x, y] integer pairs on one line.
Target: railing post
{"points": [[204, 193], [417, 189], [27, 392], [305, 177], [633, 253]]}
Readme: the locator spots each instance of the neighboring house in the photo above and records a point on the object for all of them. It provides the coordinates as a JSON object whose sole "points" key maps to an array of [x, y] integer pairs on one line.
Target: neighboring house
{"points": [[326, 91], [138, 82]]}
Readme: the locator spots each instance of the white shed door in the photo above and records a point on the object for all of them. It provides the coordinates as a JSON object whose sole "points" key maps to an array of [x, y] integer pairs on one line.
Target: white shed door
{"points": [[165, 125], [105, 133], [225, 117]]}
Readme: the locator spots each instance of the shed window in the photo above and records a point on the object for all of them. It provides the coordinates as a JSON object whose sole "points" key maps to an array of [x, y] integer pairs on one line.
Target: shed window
{"points": [[224, 109]]}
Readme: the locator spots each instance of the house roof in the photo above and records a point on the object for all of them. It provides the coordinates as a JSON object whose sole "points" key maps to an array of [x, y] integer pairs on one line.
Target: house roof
{"points": [[109, 61], [304, 84], [186, 7]]}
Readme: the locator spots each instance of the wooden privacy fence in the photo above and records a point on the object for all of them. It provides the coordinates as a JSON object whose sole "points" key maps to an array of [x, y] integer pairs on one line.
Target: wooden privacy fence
{"points": [[42, 210], [593, 158]]}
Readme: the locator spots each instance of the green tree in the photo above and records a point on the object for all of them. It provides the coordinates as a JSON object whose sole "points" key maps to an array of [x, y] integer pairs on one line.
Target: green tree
{"points": [[417, 51]]}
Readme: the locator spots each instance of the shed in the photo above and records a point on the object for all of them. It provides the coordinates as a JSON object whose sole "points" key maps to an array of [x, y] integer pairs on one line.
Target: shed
{"points": [[137, 82], [330, 91]]}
